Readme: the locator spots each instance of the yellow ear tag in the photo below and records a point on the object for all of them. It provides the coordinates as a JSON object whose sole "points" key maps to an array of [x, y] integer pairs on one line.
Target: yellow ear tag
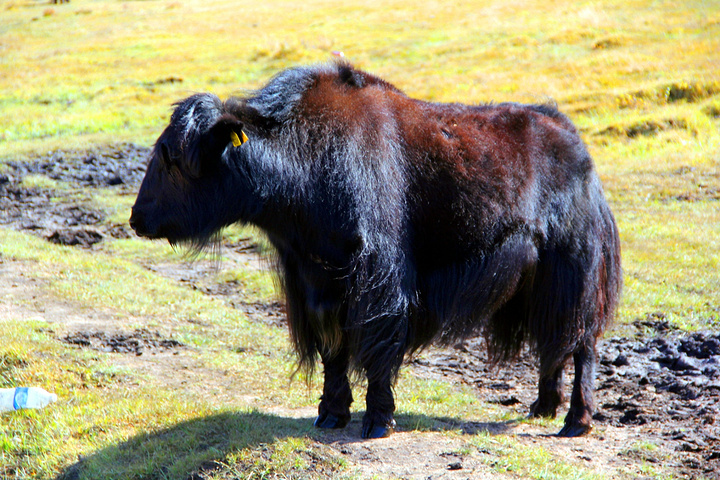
{"points": [[237, 141]]}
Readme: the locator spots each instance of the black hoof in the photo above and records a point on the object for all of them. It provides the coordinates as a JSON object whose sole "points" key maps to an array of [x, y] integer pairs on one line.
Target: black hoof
{"points": [[538, 411], [330, 421], [574, 430], [378, 431]]}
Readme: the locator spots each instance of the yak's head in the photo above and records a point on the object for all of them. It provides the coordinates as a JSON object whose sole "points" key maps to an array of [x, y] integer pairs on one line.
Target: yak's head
{"points": [[185, 193]]}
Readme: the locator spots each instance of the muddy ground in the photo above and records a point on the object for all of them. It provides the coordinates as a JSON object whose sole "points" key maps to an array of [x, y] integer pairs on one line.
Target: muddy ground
{"points": [[655, 384]]}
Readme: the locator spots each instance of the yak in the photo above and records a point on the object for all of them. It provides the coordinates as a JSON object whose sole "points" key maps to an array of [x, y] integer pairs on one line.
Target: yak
{"points": [[398, 223]]}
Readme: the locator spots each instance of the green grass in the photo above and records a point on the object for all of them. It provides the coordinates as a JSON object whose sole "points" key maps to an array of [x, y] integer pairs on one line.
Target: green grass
{"points": [[640, 79], [100, 406], [506, 455]]}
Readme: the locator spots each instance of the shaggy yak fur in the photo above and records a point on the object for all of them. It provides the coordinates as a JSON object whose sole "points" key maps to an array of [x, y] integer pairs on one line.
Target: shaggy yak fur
{"points": [[398, 223]]}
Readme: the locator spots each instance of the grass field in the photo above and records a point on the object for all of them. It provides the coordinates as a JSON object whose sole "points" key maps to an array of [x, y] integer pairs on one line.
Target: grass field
{"points": [[640, 78]]}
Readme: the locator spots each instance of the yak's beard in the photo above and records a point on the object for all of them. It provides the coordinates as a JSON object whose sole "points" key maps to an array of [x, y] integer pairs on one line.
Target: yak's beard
{"points": [[193, 248]]}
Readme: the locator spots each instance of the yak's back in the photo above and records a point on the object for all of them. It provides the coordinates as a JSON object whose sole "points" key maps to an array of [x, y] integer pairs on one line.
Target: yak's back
{"points": [[334, 93]]}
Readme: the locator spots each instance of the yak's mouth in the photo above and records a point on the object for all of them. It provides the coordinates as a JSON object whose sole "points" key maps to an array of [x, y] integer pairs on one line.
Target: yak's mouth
{"points": [[159, 234], [195, 243], [139, 225], [138, 222]]}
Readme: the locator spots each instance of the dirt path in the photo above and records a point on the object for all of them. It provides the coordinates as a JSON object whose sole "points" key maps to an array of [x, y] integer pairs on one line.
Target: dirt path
{"points": [[656, 385]]}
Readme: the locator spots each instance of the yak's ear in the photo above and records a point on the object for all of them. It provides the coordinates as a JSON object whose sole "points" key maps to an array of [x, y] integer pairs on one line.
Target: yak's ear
{"points": [[211, 144]]}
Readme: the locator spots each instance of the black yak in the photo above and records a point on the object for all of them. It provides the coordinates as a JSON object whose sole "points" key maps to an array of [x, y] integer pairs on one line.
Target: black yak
{"points": [[398, 223]]}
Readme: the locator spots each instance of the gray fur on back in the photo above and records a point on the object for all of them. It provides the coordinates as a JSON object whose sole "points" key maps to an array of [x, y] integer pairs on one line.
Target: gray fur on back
{"points": [[279, 97]]}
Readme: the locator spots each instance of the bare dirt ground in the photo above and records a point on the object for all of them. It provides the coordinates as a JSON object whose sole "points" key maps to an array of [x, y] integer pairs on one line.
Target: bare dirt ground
{"points": [[656, 385]]}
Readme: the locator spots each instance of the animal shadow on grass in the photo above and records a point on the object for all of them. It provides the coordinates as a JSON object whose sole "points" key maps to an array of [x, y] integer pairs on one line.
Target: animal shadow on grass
{"points": [[191, 449], [424, 423]]}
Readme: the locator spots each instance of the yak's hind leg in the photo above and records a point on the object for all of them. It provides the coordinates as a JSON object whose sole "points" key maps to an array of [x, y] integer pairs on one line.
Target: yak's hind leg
{"points": [[579, 418], [551, 394], [334, 408], [550, 389], [564, 322]]}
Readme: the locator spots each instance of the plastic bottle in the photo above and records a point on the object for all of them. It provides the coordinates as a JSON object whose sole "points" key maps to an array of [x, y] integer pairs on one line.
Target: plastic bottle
{"points": [[24, 397]]}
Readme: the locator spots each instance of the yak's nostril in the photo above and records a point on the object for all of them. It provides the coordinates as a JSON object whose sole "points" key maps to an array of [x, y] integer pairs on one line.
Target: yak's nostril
{"points": [[137, 222]]}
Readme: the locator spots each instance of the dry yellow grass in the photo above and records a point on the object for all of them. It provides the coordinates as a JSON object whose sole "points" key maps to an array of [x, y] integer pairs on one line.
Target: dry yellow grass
{"points": [[110, 69]]}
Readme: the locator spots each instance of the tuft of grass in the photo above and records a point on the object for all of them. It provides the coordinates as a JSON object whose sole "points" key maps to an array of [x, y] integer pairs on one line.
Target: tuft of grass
{"points": [[648, 458], [291, 458], [35, 181], [506, 455], [682, 91]]}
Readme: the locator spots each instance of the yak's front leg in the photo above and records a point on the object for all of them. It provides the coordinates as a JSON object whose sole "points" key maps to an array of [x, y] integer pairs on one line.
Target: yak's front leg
{"points": [[378, 421], [385, 348], [381, 369], [334, 408]]}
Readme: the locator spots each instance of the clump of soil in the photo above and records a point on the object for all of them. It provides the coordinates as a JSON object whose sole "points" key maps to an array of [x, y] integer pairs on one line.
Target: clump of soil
{"points": [[668, 380], [137, 342], [59, 216], [82, 237], [112, 165]]}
